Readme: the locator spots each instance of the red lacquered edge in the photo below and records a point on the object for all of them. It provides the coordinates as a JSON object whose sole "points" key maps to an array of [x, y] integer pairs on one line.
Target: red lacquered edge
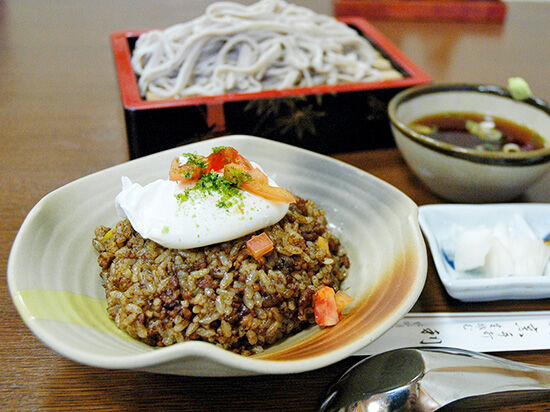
{"points": [[424, 10], [131, 98]]}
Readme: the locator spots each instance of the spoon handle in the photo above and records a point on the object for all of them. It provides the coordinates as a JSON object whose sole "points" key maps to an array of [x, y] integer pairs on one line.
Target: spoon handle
{"points": [[452, 374]]}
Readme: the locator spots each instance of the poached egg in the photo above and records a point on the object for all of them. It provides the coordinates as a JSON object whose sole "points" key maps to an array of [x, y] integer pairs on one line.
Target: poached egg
{"points": [[173, 216]]}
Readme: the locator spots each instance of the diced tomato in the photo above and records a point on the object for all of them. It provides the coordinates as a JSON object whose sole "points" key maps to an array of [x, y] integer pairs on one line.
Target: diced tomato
{"points": [[186, 173], [324, 307], [226, 155], [259, 245], [328, 306], [342, 300]]}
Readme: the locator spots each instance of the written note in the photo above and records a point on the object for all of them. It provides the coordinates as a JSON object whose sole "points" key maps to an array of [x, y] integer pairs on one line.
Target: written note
{"points": [[482, 332]]}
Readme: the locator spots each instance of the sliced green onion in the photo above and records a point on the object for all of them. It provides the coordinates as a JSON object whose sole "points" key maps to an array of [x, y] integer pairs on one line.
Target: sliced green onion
{"points": [[422, 129], [511, 148], [518, 88], [484, 130]]}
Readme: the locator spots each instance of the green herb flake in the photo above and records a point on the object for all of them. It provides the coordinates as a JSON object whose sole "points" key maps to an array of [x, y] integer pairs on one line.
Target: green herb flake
{"points": [[109, 234], [218, 149], [210, 183], [182, 197], [238, 176], [196, 160], [165, 229]]}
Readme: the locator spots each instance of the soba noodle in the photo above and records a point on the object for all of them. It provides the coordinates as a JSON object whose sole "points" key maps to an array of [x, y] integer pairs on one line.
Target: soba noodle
{"points": [[268, 45]]}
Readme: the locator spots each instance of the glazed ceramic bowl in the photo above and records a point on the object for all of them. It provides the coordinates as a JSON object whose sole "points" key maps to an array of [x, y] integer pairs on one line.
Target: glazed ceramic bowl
{"points": [[468, 175], [54, 281]]}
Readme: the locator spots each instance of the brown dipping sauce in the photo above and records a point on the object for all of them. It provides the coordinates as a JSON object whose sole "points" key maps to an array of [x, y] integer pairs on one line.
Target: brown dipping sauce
{"points": [[451, 128]]}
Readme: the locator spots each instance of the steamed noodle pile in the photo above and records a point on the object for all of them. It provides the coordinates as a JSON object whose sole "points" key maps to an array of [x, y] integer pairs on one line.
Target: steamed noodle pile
{"points": [[236, 48]]}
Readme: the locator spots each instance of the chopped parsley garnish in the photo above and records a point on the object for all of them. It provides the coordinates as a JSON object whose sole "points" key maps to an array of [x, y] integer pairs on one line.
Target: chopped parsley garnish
{"points": [[196, 160], [165, 229], [238, 176], [218, 149], [182, 197], [210, 183]]}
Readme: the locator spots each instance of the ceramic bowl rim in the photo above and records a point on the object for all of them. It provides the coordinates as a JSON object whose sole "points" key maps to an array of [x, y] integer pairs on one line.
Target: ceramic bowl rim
{"points": [[477, 156]]}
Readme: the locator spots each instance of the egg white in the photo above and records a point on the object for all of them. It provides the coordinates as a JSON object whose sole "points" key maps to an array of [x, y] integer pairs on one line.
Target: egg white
{"points": [[155, 213]]}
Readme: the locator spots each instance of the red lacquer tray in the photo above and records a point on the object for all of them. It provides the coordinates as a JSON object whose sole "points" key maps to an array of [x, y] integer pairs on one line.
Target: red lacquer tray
{"points": [[328, 118]]}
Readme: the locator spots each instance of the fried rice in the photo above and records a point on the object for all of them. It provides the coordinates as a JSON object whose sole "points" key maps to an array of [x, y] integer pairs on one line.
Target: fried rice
{"points": [[220, 293]]}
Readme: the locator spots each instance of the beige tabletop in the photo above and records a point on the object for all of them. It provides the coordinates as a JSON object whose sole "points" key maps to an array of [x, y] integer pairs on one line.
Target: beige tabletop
{"points": [[61, 119]]}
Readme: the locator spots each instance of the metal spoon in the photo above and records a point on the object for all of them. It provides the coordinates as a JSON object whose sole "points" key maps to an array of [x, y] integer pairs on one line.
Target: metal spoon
{"points": [[427, 378]]}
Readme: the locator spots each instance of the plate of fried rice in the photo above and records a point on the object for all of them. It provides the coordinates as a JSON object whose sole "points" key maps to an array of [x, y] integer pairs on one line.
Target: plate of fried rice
{"points": [[92, 288]]}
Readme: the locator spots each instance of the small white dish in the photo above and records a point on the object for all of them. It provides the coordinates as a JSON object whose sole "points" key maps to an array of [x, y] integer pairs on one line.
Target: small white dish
{"points": [[437, 221], [53, 275]]}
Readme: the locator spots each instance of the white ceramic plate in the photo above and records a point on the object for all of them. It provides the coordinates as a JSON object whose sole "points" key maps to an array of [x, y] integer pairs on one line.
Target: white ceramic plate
{"points": [[54, 281], [436, 222]]}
